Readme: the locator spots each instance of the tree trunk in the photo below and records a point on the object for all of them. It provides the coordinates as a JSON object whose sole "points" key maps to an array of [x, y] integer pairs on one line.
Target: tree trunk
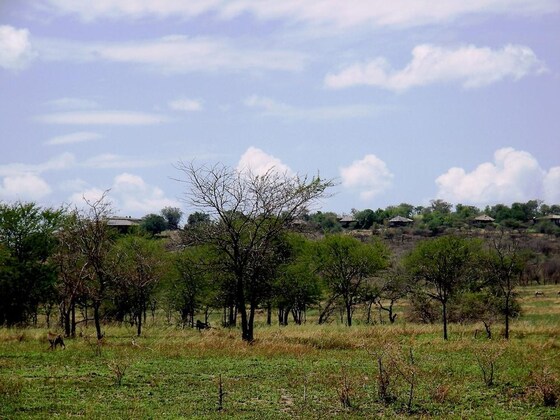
{"points": [[73, 310], [444, 316], [97, 320], [139, 330], [348, 314], [507, 317], [269, 313]]}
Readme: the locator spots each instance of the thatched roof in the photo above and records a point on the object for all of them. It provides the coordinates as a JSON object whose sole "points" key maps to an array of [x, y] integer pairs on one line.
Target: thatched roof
{"points": [[483, 218], [400, 219], [122, 221], [346, 219], [550, 217]]}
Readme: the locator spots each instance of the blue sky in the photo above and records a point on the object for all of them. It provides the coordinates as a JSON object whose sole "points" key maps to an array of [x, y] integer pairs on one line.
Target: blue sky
{"points": [[401, 101]]}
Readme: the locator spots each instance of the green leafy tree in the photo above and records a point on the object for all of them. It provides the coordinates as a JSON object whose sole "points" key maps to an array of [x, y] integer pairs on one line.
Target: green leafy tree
{"points": [[27, 239], [139, 266], [345, 263], [445, 266], [193, 289], [153, 224], [296, 286], [172, 216], [504, 265]]}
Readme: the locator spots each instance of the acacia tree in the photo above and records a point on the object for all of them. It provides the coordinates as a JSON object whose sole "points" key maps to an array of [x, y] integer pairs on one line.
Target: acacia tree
{"points": [[504, 264], [72, 274], [249, 214], [296, 286], [345, 262], [93, 240], [140, 265], [26, 276], [445, 266]]}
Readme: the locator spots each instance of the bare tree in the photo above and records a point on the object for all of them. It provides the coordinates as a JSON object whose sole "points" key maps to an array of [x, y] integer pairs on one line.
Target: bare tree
{"points": [[249, 213], [93, 240]]}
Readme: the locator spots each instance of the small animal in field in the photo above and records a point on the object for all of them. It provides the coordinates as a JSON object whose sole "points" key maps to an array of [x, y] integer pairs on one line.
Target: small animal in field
{"points": [[55, 340], [539, 293], [202, 325]]}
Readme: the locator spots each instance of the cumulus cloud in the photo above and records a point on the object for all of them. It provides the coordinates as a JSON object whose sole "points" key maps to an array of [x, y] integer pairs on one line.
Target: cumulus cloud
{"points": [[514, 175], [259, 162], [272, 108], [26, 187], [15, 48], [176, 54], [185, 104], [468, 65], [369, 175], [331, 13], [79, 137]]}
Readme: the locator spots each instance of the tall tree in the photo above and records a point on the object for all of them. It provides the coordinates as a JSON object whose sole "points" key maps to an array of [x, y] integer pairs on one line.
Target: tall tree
{"points": [[505, 262], [250, 213], [94, 240], [27, 278], [139, 266], [445, 266], [345, 262], [172, 216]]}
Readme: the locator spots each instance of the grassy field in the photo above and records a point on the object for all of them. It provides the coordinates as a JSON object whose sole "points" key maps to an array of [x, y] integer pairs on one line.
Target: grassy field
{"points": [[307, 371]]}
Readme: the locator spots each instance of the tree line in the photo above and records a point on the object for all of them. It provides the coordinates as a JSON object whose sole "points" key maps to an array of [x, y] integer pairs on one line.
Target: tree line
{"points": [[245, 250]]}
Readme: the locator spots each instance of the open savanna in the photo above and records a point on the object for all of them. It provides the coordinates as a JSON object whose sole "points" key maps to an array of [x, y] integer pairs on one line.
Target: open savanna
{"points": [[307, 371]]}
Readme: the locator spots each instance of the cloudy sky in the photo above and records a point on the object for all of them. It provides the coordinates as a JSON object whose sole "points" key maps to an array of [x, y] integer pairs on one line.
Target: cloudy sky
{"points": [[399, 101]]}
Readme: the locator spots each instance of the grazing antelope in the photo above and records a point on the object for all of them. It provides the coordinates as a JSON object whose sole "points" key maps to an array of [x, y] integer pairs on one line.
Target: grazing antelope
{"points": [[539, 293], [55, 340]]}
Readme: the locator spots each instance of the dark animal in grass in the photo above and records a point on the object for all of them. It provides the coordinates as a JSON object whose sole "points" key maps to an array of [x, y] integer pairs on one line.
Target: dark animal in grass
{"points": [[202, 325], [55, 340], [539, 293]]}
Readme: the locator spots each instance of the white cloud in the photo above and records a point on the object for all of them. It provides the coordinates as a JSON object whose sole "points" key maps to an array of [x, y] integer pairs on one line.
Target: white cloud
{"points": [[24, 187], [551, 186], [112, 161], [79, 137], [63, 161], [176, 54], [272, 108], [72, 103], [15, 48], [369, 175], [468, 65], [513, 176], [332, 13], [185, 104], [102, 118], [259, 162], [129, 194]]}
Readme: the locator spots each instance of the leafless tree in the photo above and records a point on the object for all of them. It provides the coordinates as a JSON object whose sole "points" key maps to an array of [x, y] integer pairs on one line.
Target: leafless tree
{"points": [[249, 213]]}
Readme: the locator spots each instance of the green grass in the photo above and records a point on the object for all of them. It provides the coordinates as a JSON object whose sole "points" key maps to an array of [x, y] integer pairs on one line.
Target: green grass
{"points": [[294, 371]]}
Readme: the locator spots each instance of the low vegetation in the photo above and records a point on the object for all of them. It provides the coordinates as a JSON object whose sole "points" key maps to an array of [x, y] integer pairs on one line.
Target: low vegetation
{"points": [[305, 371]]}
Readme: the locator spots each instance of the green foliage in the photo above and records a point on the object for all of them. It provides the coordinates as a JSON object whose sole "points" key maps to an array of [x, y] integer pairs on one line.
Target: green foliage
{"points": [[172, 216], [27, 239], [297, 285], [345, 262], [153, 224], [326, 222], [445, 266]]}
